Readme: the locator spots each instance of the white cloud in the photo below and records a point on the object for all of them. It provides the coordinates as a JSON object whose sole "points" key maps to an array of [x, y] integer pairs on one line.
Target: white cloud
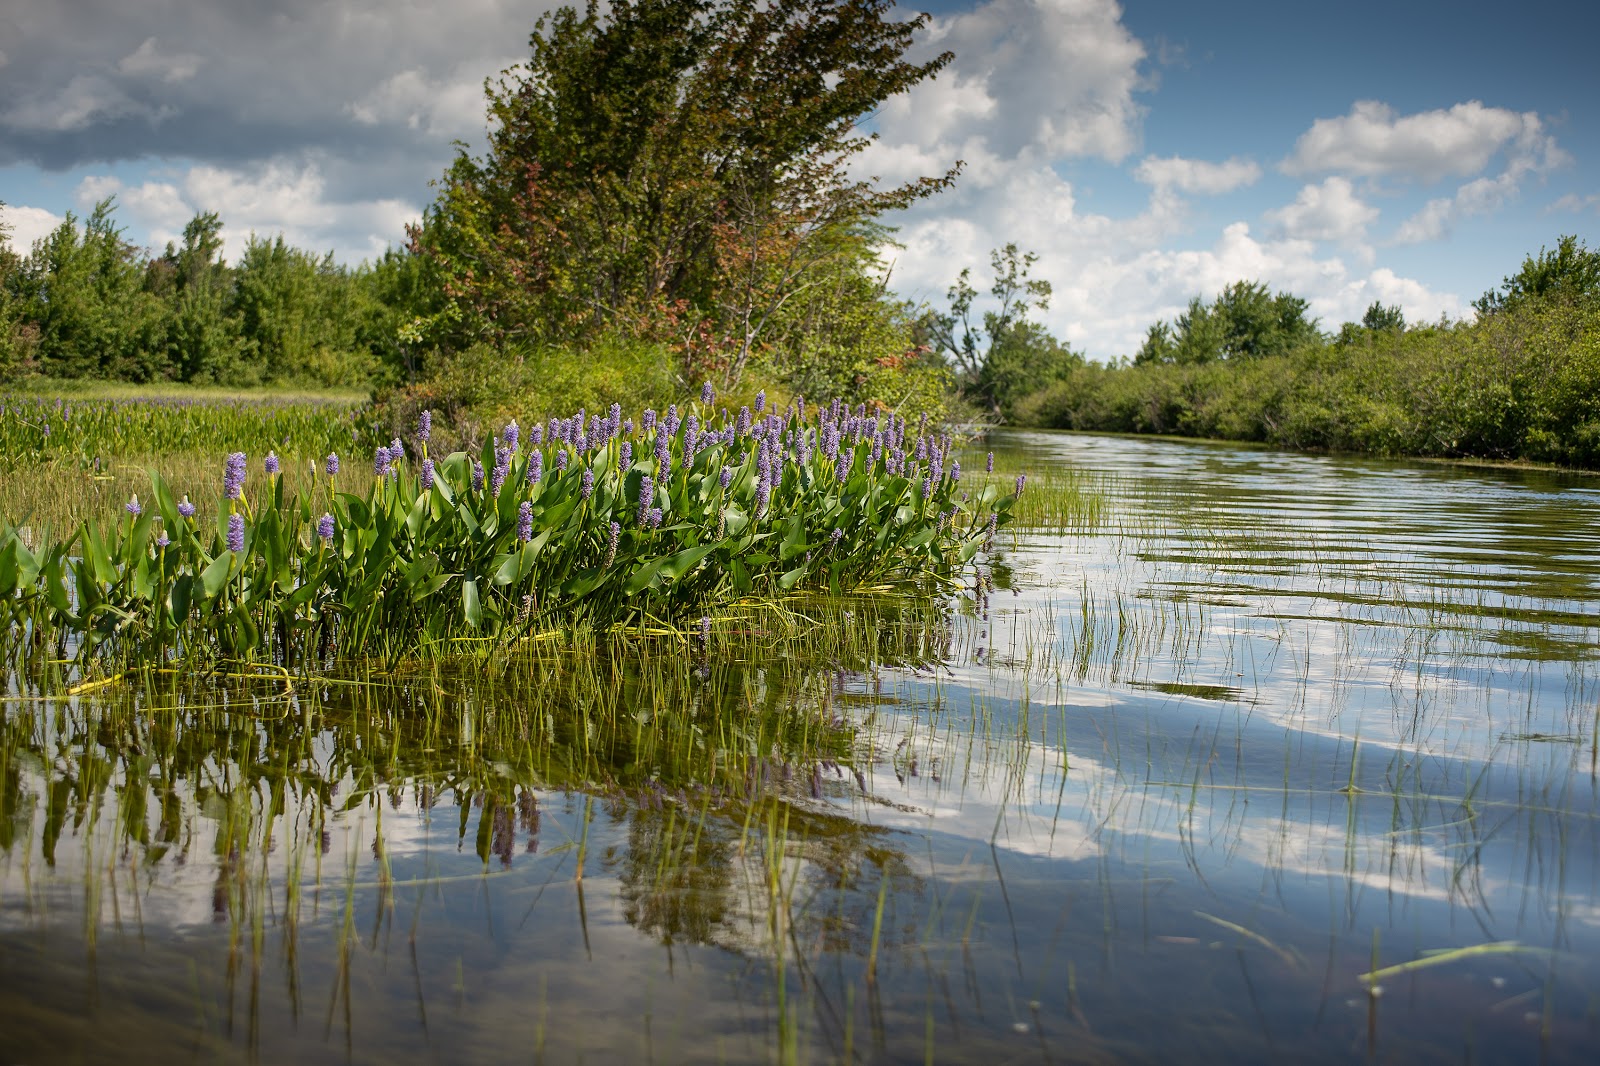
{"points": [[145, 61], [1053, 78], [1533, 154], [1374, 141], [1573, 202], [281, 197], [1197, 175], [451, 106], [1330, 211], [27, 224]]}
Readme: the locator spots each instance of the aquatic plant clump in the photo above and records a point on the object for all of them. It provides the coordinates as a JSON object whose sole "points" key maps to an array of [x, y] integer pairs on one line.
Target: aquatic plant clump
{"points": [[591, 524]]}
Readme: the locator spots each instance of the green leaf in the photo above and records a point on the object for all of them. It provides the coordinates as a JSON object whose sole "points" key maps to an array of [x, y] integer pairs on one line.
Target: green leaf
{"points": [[471, 609], [215, 576]]}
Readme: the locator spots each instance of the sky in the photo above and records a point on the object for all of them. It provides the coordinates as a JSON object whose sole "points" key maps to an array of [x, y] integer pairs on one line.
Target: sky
{"points": [[1403, 152]]}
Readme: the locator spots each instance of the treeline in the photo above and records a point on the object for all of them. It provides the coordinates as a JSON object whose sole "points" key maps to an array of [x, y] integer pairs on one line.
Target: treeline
{"points": [[84, 302], [1522, 381]]}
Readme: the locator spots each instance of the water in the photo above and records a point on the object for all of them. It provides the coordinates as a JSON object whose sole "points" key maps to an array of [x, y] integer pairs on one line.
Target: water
{"points": [[1168, 791]]}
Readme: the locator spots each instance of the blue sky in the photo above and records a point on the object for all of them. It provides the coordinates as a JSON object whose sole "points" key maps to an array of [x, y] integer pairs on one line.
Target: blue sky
{"points": [[1405, 152]]}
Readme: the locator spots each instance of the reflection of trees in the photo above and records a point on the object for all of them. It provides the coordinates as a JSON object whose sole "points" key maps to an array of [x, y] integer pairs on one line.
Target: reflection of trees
{"points": [[251, 763]]}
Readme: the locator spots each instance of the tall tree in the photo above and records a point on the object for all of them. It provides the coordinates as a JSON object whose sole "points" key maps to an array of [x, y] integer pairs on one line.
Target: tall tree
{"points": [[1246, 321], [1569, 271], [671, 166], [972, 344]]}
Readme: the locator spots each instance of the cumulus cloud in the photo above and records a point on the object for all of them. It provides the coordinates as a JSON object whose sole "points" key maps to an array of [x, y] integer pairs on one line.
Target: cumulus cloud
{"points": [[1374, 141], [1031, 77], [1330, 211], [1533, 154], [1197, 176], [26, 225], [283, 196]]}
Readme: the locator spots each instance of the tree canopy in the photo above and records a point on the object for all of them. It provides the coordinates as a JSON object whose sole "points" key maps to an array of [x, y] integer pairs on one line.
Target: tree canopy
{"points": [[1246, 321], [672, 168]]}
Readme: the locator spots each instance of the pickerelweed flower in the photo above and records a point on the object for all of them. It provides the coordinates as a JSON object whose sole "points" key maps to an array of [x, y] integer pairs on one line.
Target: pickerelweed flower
{"points": [[163, 540], [325, 528], [380, 462], [233, 475], [587, 489], [331, 464], [647, 496], [477, 476], [647, 421], [955, 470], [397, 450], [186, 508], [535, 466], [502, 467], [653, 521], [425, 425], [625, 455], [525, 522], [988, 466], [236, 532], [835, 537], [761, 401], [613, 535], [511, 435], [763, 496], [1022, 479], [536, 435], [726, 476], [132, 506], [427, 475], [561, 461], [705, 621], [708, 395], [271, 463]]}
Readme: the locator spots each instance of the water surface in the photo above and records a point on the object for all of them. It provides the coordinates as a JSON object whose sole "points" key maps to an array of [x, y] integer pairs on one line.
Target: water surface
{"points": [[1169, 784]]}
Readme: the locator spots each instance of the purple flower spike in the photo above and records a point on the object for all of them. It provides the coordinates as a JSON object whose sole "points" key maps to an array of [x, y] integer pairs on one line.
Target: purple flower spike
{"points": [[525, 522], [397, 450], [708, 395], [726, 476], [427, 474], [271, 462], [648, 421], [380, 462], [1022, 479], [425, 426], [132, 506], [536, 435], [561, 461], [163, 540], [613, 535], [236, 532], [705, 621], [186, 508], [325, 528], [761, 401], [331, 464], [625, 454], [233, 475], [655, 518], [988, 466], [511, 435], [955, 470], [535, 467], [477, 476], [835, 537], [647, 495], [588, 484]]}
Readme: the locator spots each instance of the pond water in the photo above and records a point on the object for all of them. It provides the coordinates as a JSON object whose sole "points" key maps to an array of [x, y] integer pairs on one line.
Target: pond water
{"points": [[1268, 758]]}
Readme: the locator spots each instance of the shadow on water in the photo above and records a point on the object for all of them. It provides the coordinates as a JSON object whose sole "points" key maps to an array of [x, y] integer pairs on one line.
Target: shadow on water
{"points": [[1276, 759]]}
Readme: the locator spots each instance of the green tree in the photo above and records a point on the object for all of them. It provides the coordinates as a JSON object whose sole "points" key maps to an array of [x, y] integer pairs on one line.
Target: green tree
{"points": [[299, 316], [1246, 321], [16, 335], [1381, 319], [203, 342], [673, 168], [1570, 272], [83, 290], [970, 345]]}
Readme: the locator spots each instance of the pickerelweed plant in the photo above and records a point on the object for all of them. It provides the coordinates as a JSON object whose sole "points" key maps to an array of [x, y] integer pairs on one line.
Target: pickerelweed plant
{"points": [[579, 520]]}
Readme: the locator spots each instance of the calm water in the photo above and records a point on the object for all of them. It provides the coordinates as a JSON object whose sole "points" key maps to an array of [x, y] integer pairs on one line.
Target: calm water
{"points": [[1165, 787]]}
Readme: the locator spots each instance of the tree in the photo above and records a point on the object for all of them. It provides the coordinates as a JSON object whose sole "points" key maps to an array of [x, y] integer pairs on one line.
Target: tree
{"points": [[16, 336], [670, 167], [83, 290], [970, 346], [1570, 272], [1381, 319], [1245, 322]]}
